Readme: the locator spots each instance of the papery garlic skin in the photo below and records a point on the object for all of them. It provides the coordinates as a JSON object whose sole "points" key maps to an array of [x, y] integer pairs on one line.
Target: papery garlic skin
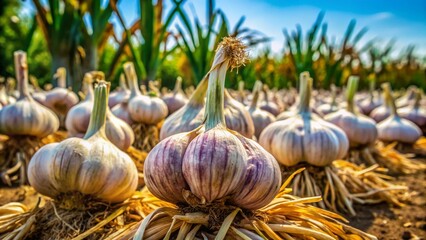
{"points": [[93, 167], [119, 132], [263, 177], [237, 117], [398, 129], [121, 111], [163, 168], [148, 110], [214, 165]]}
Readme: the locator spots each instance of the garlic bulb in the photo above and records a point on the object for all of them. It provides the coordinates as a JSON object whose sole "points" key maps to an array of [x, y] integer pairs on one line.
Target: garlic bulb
{"points": [[26, 116], [260, 118], [91, 166], [381, 113], [237, 117], [415, 112], [143, 109], [370, 103], [304, 137], [189, 117], [395, 128], [177, 99], [60, 99], [120, 95], [360, 130], [211, 162]]}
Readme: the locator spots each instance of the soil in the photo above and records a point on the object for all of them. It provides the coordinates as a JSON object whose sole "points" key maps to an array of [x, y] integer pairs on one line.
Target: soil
{"points": [[384, 221]]}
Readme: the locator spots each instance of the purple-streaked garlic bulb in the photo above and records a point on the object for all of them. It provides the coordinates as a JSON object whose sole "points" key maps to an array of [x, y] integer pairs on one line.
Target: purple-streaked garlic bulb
{"points": [[304, 137], [91, 166], [213, 163], [60, 99], [394, 128], [189, 117], [177, 98], [360, 130], [260, 118], [143, 109], [415, 112], [26, 117], [119, 95]]}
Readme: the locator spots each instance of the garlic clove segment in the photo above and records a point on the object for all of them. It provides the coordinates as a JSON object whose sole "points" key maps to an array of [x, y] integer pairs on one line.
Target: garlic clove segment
{"points": [[91, 166]]}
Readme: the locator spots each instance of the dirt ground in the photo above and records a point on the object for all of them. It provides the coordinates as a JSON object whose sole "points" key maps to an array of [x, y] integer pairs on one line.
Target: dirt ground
{"points": [[381, 220]]}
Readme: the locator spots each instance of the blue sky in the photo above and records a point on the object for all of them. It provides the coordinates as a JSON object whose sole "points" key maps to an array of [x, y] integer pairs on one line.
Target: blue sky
{"points": [[385, 19]]}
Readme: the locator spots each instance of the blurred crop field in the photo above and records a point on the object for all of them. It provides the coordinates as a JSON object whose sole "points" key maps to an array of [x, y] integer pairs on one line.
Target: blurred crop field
{"points": [[167, 39]]}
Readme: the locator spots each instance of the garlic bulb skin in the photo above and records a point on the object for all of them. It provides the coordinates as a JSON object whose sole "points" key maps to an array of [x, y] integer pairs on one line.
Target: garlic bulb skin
{"points": [[260, 118], [60, 99], [189, 117], [395, 128], [119, 95], [147, 109], [415, 113], [176, 99], [121, 111], [26, 117], [78, 117], [398, 129], [360, 130], [380, 113], [304, 136], [263, 176], [143, 109], [237, 117], [94, 166], [119, 132]]}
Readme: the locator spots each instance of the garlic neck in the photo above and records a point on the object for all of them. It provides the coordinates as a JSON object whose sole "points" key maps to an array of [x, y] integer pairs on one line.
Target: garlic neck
{"points": [[98, 116], [256, 93], [305, 93], [21, 69], [215, 97], [132, 79], [350, 93], [389, 99]]}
